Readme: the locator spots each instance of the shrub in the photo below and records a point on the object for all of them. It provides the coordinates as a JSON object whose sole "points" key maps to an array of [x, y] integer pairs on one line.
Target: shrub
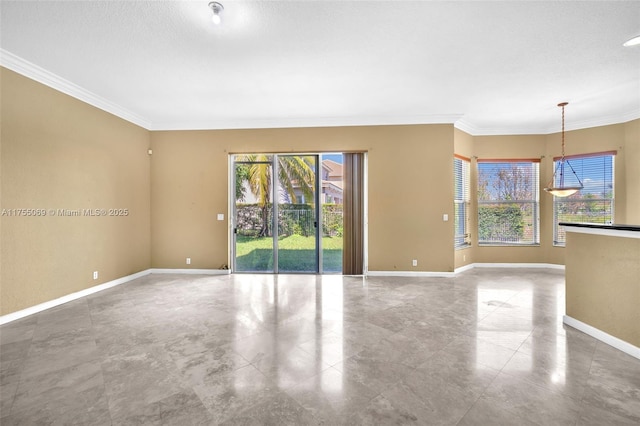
{"points": [[500, 223]]}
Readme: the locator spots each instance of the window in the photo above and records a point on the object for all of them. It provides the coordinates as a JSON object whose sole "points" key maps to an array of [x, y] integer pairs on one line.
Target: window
{"points": [[508, 202], [594, 203], [461, 201]]}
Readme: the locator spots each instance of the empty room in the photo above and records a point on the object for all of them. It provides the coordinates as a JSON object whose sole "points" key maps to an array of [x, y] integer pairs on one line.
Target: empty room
{"points": [[319, 212]]}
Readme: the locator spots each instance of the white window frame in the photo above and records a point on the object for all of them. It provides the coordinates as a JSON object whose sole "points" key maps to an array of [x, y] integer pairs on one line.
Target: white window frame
{"points": [[534, 226], [578, 198], [461, 199]]}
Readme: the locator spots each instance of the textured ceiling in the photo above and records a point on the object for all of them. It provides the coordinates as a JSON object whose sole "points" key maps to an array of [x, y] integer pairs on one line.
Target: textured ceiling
{"points": [[488, 67]]}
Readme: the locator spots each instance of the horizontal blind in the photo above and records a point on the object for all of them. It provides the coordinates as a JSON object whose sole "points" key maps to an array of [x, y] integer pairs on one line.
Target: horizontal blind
{"points": [[595, 202], [461, 201], [508, 202]]}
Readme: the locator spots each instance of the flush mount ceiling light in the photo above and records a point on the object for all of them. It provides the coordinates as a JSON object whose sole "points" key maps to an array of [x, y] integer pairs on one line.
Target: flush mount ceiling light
{"points": [[558, 175], [217, 9], [632, 41]]}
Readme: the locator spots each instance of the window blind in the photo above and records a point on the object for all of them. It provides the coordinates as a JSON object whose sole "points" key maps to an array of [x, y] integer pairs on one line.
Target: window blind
{"points": [[353, 219], [595, 202], [461, 200]]}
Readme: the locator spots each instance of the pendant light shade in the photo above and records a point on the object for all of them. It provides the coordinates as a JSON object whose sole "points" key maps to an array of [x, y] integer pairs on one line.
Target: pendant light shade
{"points": [[557, 186], [564, 191]]}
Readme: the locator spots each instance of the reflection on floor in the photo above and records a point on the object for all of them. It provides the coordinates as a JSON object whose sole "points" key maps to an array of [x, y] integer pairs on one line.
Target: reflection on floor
{"points": [[486, 347]]}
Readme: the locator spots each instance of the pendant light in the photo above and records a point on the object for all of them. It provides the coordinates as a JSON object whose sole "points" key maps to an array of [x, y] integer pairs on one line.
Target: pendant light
{"points": [[561, 190], [217, 9]]}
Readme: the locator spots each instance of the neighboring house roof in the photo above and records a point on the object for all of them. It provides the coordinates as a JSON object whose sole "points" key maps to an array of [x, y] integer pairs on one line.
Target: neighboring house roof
{"points": [[334, 169]]}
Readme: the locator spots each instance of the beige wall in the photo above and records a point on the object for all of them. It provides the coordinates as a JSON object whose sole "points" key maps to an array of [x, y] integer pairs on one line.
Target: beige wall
{"points": [[409, 170], [602, 285], [623, 138], [60, 153], [190, 186], [632, 171]]}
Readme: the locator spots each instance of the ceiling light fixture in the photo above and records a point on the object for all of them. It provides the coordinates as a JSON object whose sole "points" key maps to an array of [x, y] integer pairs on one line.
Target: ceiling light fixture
{"points": [[632, 41], [561, 190], [217, 9]]}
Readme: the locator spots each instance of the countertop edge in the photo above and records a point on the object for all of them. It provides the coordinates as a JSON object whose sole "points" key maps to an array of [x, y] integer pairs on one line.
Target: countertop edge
{"points": [[614, 230]]}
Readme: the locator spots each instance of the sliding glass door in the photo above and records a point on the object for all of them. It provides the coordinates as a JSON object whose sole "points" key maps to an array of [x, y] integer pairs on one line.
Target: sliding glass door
{"points": [[276, 213], [298, 213]]}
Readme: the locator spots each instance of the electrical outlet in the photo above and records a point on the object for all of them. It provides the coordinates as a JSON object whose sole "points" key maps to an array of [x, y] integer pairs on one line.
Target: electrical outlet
{"points": [[414, 262], [188, 261], [95, 275]]}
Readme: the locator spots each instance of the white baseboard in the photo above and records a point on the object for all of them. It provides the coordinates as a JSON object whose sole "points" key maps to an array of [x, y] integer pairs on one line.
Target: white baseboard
{"points": [[69, 297], [518, 265], [191, 271], [462, 269], [410, 274], [610, 340]]}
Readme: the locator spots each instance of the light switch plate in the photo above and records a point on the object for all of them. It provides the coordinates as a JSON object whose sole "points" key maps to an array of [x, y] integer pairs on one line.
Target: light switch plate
{"points": [[445, 217], [220, 216]]}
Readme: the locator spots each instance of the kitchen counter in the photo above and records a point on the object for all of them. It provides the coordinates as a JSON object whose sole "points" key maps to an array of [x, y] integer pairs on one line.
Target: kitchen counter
{"points": [[602, 270]]}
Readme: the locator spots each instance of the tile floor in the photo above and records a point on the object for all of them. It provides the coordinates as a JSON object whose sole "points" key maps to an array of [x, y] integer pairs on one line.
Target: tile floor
{"points": [[485, 347]]}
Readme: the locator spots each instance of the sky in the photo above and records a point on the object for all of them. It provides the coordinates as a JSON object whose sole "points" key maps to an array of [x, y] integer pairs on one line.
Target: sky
{"points": [[334, 157]]}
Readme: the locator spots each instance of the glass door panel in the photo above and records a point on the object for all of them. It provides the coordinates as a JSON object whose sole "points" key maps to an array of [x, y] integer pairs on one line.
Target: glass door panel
{"points": [[297, 213], [331, 200], [253, 213]]}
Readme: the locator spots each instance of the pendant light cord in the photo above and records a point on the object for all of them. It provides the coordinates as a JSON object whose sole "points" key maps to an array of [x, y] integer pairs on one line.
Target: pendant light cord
{"points": [[557, 187], [562, 131], [562, 105], [562, 159]]}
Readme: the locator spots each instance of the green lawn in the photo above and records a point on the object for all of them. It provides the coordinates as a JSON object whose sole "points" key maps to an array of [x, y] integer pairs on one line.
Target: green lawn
{"points": [[296, 253]]}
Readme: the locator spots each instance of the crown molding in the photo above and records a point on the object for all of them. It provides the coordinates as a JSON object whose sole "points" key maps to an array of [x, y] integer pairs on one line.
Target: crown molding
{"points": [[474, 130], [466, 127], [34, 72], [598, 122], [257, 123]]}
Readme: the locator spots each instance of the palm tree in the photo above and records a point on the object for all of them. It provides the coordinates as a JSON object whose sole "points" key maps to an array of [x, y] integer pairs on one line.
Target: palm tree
{"points": [[294, 171]]}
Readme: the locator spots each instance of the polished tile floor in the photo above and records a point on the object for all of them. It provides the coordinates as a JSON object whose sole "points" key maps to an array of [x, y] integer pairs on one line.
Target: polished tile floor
{"points": [[487, 347]]}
